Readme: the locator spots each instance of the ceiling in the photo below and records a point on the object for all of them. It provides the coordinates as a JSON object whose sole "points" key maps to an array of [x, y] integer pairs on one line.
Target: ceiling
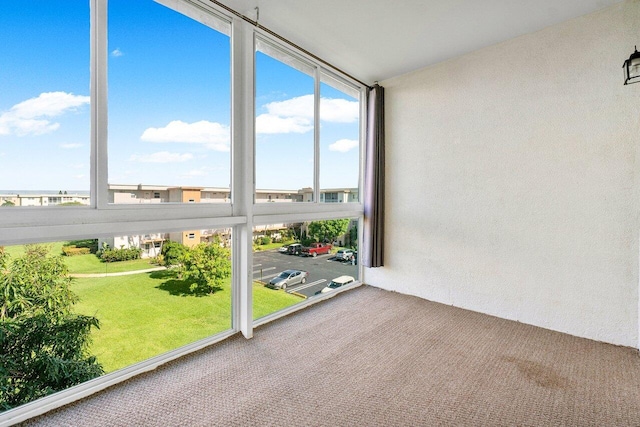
{"points": [[377, 39]]}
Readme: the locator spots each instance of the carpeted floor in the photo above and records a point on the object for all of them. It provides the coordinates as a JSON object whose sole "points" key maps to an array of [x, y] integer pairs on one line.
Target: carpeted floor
{"points": [[374, 358]]}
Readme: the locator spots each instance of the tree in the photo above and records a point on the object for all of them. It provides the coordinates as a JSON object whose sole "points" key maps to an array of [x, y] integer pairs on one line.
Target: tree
{"points": [[328, 230], [172, 253], [8, 203], [43, 344], [207, 265]]}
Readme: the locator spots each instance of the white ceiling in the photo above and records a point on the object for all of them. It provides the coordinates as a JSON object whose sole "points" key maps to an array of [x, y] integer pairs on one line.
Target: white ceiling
{"points": [[378, 39]]}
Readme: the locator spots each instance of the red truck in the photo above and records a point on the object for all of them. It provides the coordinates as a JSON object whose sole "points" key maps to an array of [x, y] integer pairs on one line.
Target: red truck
{"points": [[316, 249]]}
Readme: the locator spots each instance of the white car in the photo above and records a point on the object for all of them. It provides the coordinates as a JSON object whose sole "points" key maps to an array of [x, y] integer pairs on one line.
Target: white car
{"points": [[283, 249], [344, 254], [337, 282]]}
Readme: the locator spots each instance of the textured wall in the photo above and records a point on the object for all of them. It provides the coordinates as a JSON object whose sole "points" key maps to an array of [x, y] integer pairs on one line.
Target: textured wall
{"points": [[512, 181]]}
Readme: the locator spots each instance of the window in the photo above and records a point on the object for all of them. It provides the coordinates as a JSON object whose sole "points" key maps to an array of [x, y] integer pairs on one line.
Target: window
{"points": [[296, 262], [307, 128], [169, 101], [44, 101], [339, 138], [284, 123], [148, 311], [160, 175]]}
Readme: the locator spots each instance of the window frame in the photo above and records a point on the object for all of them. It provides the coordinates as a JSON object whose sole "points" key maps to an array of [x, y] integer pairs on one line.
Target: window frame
{"points": [[102, 219]]}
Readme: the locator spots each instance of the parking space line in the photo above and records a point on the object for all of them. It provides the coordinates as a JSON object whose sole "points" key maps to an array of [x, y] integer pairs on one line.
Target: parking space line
{"points": [[297, 288], [263, 270], [268, 276]]}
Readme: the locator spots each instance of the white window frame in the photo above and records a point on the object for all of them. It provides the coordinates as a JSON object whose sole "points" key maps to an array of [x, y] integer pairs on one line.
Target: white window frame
{"points": [[23, 225]]}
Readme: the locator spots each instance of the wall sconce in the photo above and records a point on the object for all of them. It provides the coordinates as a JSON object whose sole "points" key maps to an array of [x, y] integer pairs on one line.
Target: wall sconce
{"points": [[632, 68]]}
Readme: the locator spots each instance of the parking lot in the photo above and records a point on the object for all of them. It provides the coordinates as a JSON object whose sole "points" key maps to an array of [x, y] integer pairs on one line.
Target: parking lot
{"points": [[322, 269]]}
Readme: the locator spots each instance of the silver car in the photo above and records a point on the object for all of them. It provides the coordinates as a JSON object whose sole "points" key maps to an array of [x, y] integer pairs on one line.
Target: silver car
{"points": [[287, 278]]}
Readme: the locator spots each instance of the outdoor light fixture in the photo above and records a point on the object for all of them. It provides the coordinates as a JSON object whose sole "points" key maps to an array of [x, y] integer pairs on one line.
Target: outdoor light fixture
{"points": [[632, 68]]}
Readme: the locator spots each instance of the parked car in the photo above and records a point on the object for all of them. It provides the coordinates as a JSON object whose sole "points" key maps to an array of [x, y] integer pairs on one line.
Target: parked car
{"points": [[294, 249], [283, 249], [287, 278], [316, 249], [337, 282], [344, 255]]}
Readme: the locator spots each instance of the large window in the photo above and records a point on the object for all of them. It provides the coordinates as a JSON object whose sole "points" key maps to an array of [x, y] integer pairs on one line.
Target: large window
{"points": [[44, 102], [149, 293], [299, 261], [339, 141], [307, 129], [150, 117], [284, 127], [169, 105]]}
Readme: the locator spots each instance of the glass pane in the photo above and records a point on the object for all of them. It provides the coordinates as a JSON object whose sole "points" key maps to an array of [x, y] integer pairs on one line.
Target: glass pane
{"points": [[296, 261], [284, 129], [339, 143], [151, 293], [44, 103], [169, 106]]}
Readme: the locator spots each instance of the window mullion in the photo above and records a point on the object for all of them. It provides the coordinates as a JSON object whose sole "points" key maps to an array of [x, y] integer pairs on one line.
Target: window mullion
{"points": [[99, 190], [316, 136], [242, 170]]}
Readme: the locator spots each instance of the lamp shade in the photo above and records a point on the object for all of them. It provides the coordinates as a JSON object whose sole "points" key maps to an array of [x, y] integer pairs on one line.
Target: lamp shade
{"points": [[631, 68]]}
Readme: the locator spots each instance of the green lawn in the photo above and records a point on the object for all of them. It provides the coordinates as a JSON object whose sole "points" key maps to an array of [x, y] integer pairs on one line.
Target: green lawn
{"points": [[91, 264], [86, 263], [147, 314]]}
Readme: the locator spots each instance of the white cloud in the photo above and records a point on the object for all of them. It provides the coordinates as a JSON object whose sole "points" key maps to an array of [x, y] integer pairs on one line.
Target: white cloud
{"points": [[214, 136], [79, 176], [343, 145], [117, 52], [32, 117], [270, 123], [295, 115], [161, 157], [339, 110], [70, 146]]}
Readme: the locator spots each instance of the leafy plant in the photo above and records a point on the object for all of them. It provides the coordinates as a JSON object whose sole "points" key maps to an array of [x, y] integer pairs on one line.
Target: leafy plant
{"points": [[207, 265], [172, 253], [121, 254], [328, 230], [43, 345]]}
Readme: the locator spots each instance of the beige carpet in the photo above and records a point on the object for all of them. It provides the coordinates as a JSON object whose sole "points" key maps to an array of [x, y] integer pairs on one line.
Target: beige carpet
{"points": [[374, 358]]}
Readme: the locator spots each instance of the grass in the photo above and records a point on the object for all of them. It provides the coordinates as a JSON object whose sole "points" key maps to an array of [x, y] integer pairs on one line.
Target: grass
{"points": [[91, 264], [147, 314], [267, 301], [273, 245], [86, 263]]}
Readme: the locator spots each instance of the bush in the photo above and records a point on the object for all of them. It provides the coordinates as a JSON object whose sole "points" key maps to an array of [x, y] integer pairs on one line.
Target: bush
{"points": [[92, 244], [72, 251], [265, 240], [307, 242], [122, 254], [172, 253]]}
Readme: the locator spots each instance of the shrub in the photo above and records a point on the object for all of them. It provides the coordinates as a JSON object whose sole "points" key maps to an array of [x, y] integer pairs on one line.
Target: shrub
{"points": [[92, 244], [307, 242], [172, 253], [265, 240], [73, 250], [122, 254]]}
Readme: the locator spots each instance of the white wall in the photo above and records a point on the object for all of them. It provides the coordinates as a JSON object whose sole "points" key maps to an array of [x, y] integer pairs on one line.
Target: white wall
{"points": [[512, 180]]}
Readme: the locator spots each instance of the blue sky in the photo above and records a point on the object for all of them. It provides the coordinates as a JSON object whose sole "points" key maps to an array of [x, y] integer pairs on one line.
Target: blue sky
{"points": [[169, 104]]}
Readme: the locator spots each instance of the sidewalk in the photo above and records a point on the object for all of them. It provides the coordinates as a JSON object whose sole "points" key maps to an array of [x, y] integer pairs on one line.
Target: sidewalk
{"points": [[122, 273]]}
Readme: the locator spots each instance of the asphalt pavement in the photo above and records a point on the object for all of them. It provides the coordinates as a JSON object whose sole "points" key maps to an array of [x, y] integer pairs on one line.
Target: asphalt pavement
{"points": [[322, 269]]}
